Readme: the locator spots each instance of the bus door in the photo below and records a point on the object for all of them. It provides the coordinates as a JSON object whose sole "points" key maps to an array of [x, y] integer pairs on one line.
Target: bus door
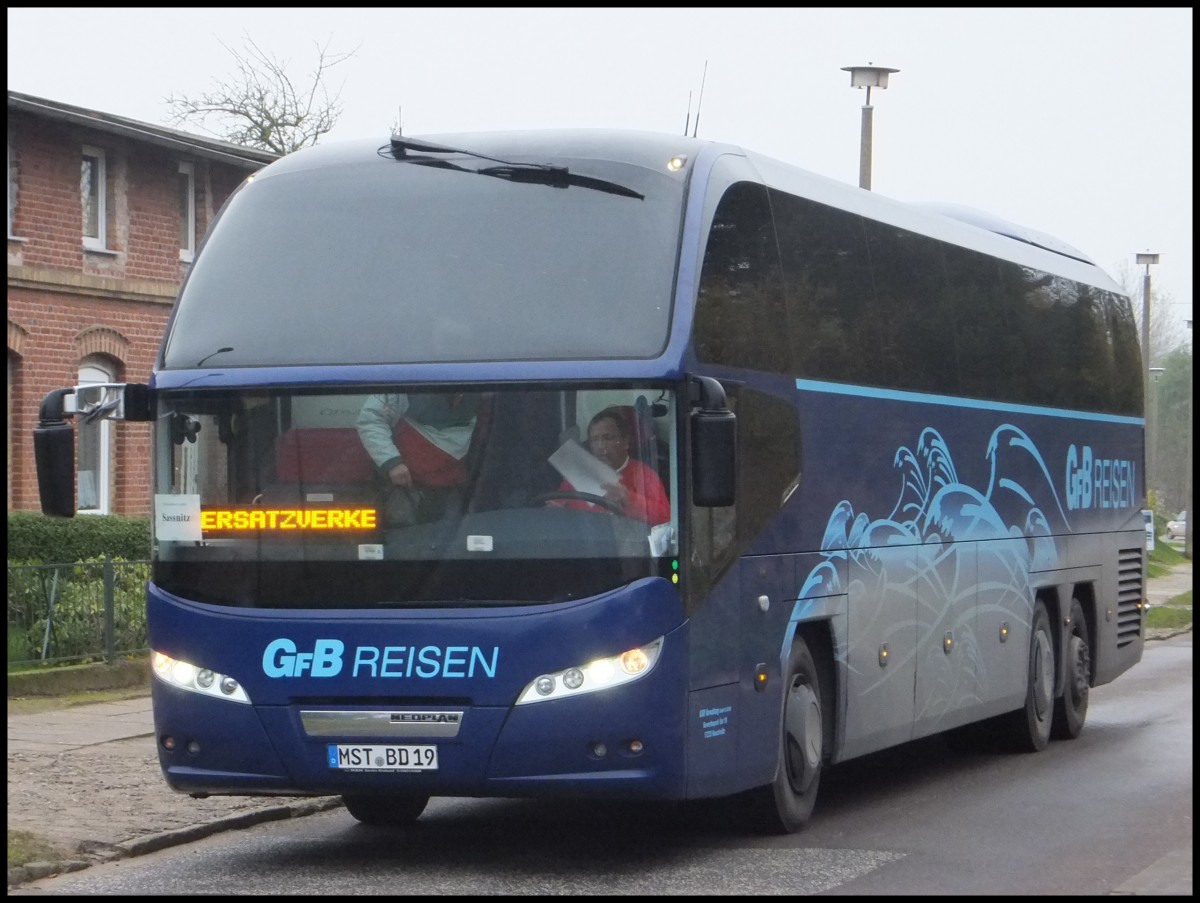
{"points": [[768, 593]]}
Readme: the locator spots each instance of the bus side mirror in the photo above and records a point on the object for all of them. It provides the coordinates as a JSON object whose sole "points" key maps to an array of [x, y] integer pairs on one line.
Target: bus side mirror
{"points": [[714, 447], [54, 453]]}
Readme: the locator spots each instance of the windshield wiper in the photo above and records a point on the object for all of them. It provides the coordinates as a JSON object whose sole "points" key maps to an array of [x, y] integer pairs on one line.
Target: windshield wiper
{"points": [[531, 173], [556, 177]]}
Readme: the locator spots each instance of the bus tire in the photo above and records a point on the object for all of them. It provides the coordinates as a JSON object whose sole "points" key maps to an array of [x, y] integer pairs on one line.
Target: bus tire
{"points": [[384, 809], [1070, 709], [1028, 728], [786, 804]]}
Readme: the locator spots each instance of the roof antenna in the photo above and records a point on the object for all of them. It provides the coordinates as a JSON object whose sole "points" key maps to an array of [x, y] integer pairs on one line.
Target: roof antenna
{"points": [[700, 102], [687, 123], [399, 150]]}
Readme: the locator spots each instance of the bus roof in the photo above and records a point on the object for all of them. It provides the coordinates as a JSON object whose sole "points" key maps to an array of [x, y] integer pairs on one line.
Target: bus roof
{"points": [[950, 222]]}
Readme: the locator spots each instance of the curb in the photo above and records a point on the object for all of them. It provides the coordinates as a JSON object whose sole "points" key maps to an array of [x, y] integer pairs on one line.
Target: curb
{"points": [[1166, 633], [152, 843]]}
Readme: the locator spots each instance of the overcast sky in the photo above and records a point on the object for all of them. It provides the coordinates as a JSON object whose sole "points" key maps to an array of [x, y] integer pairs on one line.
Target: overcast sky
{"points": [[1073, 122]]}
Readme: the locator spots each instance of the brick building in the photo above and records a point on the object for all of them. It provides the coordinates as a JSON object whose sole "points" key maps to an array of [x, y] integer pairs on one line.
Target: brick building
{"points": [[104, 215]]}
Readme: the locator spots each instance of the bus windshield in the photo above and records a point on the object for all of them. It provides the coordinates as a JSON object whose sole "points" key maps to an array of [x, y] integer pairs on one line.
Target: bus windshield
{"points": [[419, 263], [398, 498]]}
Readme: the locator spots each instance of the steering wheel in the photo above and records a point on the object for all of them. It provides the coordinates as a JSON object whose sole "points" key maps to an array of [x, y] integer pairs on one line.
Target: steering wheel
{"points": [[581, 496]]}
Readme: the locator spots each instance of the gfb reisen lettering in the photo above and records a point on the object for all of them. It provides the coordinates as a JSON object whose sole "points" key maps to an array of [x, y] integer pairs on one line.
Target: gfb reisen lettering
{"points": [[1094, 482], [282, 658]]}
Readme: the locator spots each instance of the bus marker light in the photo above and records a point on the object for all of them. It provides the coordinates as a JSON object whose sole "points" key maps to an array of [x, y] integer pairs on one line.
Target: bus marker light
{"points": [[599, 750], [193, 747], [948, 642], [883, 655], [1004, 631], [636, 747], [168, 742], [760, 676]]}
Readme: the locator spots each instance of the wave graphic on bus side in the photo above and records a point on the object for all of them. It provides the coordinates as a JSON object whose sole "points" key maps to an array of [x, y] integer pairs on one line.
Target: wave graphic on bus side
{"points": [[933, 507]]}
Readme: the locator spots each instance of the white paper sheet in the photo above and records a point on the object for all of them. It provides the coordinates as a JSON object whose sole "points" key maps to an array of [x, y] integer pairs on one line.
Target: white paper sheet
{"points": [[582, 469]]}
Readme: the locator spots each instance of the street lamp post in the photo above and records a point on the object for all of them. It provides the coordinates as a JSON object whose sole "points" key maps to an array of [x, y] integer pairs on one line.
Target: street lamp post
{"points": [[1187, 474], [868, 77], [1152, 418], [1146, 260]]}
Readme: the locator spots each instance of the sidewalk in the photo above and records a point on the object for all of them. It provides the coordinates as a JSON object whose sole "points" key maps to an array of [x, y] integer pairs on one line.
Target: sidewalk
{"points": [[87, 779]]}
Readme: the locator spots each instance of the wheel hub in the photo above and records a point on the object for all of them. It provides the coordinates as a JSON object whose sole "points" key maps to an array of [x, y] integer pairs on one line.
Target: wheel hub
{"points": [[802, 736]]}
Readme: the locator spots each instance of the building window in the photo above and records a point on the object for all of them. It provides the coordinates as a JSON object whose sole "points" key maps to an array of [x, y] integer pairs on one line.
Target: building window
{"points": [[95, 444], [93, 190], [187, 211]]}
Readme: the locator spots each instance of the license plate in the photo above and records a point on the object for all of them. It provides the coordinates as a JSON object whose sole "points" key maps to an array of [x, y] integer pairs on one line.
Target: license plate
{"points": [[382, 757]]}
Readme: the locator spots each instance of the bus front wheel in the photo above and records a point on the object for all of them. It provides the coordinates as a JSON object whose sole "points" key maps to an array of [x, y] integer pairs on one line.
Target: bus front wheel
{"points": [[381, 809], [786, 804]]}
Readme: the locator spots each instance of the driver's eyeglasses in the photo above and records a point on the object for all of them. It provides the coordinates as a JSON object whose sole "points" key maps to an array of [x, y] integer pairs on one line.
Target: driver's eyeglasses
{"points": [[604, 439]]}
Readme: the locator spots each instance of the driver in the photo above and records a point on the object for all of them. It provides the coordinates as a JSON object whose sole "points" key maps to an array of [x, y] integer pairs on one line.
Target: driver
{"points": [[640, 493]]}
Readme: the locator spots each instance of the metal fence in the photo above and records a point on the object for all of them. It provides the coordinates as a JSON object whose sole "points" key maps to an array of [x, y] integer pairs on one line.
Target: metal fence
{"points": [[86, 611]]}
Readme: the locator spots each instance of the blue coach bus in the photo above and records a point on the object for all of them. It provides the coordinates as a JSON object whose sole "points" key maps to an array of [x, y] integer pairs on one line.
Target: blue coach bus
{"points": [[897, 450]]}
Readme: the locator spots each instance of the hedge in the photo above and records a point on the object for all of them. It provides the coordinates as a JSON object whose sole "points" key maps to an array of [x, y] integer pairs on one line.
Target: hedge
{"points": [[34, 537]]}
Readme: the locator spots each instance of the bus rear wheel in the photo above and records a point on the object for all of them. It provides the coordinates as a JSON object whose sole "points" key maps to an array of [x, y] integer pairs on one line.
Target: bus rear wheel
{"points": [[1028, 728], [786, 804], [1070, 709], [382, 809]]}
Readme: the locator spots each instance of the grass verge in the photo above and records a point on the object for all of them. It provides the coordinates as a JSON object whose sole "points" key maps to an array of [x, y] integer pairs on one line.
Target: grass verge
{"points": [[25, 847], [1162, 618], [31, 705]]}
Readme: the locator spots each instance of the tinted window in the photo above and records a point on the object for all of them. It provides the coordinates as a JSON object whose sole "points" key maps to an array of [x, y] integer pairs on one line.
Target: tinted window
{"points": [[872, 304], [741, 316]]}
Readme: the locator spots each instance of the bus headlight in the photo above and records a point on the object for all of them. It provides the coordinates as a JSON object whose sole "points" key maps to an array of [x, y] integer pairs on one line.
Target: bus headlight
{"points": [[600, 674], [186, 676]]}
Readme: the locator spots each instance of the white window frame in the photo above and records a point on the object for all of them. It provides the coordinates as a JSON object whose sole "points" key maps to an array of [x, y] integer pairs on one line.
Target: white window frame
{"points": [[98, 242], [94, 488], [187, 237], [12, 190]]}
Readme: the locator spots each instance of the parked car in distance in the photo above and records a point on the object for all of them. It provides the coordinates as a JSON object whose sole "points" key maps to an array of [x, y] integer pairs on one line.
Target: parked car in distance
{"points": [[1178, 527]]}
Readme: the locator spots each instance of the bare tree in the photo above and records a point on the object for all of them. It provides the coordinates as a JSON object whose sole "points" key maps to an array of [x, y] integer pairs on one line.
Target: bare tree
{"points": [[261, 107], [1166, 330]]}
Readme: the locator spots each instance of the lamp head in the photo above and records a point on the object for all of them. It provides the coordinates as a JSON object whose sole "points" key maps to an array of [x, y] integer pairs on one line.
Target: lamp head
{"points": [[868, 76]]}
